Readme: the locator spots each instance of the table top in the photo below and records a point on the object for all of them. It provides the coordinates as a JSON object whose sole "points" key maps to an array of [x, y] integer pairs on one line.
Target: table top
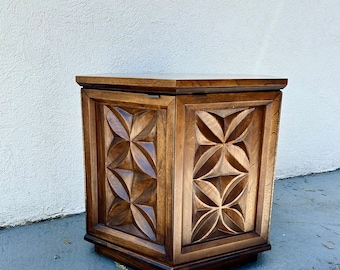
{"points": [[182, 83]]}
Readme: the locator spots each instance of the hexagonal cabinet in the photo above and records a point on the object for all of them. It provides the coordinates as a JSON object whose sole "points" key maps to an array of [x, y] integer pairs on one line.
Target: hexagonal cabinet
{"points": [[179, 168]]}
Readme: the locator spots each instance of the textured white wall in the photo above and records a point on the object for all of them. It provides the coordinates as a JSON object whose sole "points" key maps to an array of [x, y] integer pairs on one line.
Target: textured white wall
{"points": [[45, 43]]}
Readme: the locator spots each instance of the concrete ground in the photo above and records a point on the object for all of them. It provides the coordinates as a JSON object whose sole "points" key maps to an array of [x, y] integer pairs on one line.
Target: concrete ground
{"points": [[305, 234]]}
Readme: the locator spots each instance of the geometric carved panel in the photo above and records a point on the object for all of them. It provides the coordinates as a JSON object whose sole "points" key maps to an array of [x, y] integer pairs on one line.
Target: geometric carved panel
{"points": [[220, 173], [130, 164]]}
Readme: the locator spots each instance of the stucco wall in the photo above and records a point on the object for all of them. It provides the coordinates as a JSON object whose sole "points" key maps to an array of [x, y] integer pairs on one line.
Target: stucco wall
{"points": [[45, 43]]}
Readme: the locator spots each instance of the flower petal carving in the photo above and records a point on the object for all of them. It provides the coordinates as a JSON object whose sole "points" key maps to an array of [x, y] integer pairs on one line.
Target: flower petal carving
{"points": [[120, 185], [201, 139], [237, 158], [139, 144], [232, 220], [144, 123], [234, 190], [208, 160], [134, 200], [209, 126], [131, 170], [205, 226], [117, 123], [118, 153], [207, 193], [150, 213], [148, 148], [216, 208], [119, 212], [142, 223], [238, 127], [220, 173], [143, 160]]}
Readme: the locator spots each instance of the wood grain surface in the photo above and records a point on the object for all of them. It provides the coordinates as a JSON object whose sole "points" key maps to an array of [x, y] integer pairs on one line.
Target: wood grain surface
{"points": [[182, 83], [177, 180]]}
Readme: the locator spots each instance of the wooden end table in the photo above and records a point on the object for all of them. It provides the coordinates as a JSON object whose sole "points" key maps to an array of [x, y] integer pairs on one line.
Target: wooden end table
{"points": [[179, 168]]}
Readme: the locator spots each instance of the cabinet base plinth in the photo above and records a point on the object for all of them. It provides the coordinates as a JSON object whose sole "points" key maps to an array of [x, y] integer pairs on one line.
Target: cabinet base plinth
{"points": [[141, 262]]}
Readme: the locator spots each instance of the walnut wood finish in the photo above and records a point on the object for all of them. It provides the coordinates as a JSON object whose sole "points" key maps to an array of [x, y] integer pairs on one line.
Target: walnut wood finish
{"points": [[179, 181]]}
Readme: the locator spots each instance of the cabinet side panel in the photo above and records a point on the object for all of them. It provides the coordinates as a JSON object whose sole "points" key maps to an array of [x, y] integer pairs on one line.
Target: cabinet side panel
{"points": [[226, 143], [131, 169], [133, 207], [90, 155], [267, 170], [221, 163]]}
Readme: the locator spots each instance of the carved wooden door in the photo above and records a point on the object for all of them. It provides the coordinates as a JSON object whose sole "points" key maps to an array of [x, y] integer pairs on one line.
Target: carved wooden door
{"points": [[223, 147], [126, 194]]}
